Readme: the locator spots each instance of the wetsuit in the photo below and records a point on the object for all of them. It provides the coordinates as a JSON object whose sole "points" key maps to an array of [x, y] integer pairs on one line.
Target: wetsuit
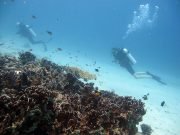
{"points": [[25, 32], [123, 60]]}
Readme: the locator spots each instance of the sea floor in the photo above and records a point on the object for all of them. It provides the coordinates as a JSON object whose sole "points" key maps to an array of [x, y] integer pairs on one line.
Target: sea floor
{"points": [[163, 120]]}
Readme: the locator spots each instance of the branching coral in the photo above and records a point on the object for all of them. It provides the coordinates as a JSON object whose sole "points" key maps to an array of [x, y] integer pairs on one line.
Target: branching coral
{"points": [[26, 112], [26, 57], [43, 99]]}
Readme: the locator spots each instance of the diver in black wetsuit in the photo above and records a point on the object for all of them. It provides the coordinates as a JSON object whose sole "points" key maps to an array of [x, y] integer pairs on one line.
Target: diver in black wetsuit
{"points": [[28, 33], [126, 60], [120, 54]]}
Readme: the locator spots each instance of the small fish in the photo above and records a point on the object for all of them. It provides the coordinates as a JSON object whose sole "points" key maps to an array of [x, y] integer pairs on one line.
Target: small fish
{"points": [[34, 17], [30, 50], [145, 97], [1, 44], [162, 103], [96, 93], [49, 32], [97, 70], [59, 49]]}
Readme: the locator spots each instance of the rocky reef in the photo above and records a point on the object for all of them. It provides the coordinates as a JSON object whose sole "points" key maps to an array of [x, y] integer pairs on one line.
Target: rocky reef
{"points": [[38, 97], [26, 57], [146, 129]]}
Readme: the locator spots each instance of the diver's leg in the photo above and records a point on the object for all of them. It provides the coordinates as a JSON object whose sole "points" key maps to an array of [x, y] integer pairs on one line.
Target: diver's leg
{"points": [[129, 68], [38, 42], [140, 75], [137, 75], [156, 78]]}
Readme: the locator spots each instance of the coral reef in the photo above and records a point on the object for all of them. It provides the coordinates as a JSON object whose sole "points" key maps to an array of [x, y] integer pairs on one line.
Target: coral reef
{"points": [[146, 129], [77, 72], [26, 112], [1, 62], [26, 57], [42, 98]]}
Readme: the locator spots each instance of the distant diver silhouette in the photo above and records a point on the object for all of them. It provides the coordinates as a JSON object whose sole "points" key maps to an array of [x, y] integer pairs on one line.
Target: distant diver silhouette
{"points": [[126, 60], [27, 32]]}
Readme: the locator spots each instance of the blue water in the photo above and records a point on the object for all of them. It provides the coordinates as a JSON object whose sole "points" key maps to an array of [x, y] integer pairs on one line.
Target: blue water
{"points": [[94, 27], [100, 25]]}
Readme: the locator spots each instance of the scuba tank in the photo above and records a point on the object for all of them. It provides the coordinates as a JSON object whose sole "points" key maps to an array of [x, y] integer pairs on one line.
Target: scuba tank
{"points": [[31, 31], [130, 57]]}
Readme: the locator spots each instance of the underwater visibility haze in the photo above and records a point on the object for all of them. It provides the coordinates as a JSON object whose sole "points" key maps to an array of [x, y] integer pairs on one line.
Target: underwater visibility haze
{"points": [[107, 67]]}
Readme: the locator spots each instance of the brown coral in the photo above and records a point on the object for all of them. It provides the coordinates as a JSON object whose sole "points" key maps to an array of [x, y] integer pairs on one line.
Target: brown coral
{"points": [[43, 99]]}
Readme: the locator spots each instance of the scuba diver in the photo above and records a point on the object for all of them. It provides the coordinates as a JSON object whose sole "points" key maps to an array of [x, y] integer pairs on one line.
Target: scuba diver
{"points": [[27, 32], [126, 60]]}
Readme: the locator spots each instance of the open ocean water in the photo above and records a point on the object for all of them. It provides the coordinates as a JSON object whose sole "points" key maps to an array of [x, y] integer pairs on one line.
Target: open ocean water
{"points": [[83, 32]]}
